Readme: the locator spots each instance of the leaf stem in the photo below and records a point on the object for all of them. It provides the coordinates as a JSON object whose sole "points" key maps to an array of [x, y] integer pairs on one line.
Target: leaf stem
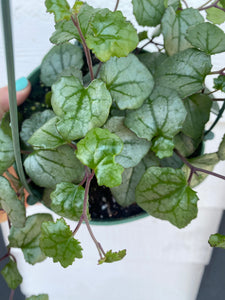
{"points": [[204, 4], [214, 4], [84, 217], [218, 99], [11, 294], [221, 72], [117, 4], [216, 120], [184, 1], [99, 68], [149, 42], [4, 257], [75, 21], [194, 169]]}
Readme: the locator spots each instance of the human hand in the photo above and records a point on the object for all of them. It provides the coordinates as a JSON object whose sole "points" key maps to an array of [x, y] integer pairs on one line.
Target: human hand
{"points": [[23, 88]]}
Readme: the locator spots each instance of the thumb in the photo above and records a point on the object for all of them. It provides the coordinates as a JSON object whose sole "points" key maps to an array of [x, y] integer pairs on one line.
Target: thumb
{"points": [[23, 88]]}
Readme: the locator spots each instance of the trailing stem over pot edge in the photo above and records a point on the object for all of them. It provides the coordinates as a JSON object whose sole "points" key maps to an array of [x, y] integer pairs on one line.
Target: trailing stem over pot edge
{"points": [[131, 118]]}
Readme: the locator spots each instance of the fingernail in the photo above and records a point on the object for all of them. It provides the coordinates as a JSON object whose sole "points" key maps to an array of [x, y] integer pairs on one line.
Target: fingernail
{"points": [[21, 83]]}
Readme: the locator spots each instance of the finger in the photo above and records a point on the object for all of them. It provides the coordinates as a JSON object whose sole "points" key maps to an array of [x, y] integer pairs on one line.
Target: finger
{"points": [[23, 88]]}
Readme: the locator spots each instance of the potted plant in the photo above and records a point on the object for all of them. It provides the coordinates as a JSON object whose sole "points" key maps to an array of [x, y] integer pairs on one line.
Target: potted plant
{"points": [[109, 124]]}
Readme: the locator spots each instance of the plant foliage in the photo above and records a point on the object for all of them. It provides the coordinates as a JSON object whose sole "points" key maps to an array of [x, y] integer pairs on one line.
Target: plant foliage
{"points": [[134, 119]]}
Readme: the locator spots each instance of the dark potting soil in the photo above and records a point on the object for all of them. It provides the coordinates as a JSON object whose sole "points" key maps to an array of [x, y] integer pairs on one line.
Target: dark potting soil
{"points": [[103, 206]]}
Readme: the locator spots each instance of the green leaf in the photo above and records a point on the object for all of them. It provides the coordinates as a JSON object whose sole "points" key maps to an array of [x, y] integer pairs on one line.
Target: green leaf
{"points": [[185, 144], [164, 194], [11, 204], [163, 147], [79, 108], [143, 35], [125, 193], [57, 241], [152, 60], [198, 110], [32, 124], [134, 148], [5, 124], [162, 115], [216, 15], [6, 151], [59, 60], [12, 275], [60, 8], [111, 35], [174, 27], [217, 240], [38, 297], [207, 37], [27, 238], [128, 81], [219, 83], [185, 71], [47, 136], [66, 30], [68, 200], [221, 151], [97, 151], [206, 162], [49, 167], [111, 257], [148, 12]]}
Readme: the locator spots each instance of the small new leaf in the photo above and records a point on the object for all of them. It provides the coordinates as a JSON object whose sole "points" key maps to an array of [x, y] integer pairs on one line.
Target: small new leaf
{"points": [[163, 147], [57, 241], [27, 238], [111, 257], [66, 31], [60, 8], [219, 83], [12, 275], [97, 151], [11, 204], [79, 108], [207, 37], [165, 194], [111, 35], [217, 240], [67, 200]]}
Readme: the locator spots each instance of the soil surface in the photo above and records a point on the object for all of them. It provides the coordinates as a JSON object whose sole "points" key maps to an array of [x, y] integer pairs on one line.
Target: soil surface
{"points": [[103, 206]]}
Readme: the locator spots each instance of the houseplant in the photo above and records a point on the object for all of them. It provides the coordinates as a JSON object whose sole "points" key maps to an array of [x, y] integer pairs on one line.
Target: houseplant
{"points": [[164, 122]]}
